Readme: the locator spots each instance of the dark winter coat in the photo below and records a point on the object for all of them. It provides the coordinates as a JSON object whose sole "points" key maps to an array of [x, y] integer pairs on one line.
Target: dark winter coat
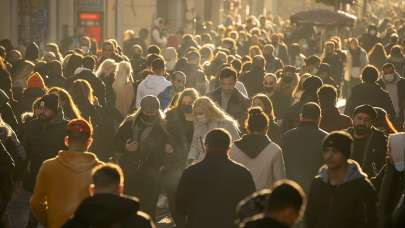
{"points": [[371, 94], [237, 105], [6, 111], [302, 150], [336, 66], [370, 152], [253, 81], [350, 204], [332, 120], [6, 178], [273, 64], [263, 222], [108, 211], [41, 142], [281, 104], [28, 98], [96, 83], [14, 147], [209, 192]]}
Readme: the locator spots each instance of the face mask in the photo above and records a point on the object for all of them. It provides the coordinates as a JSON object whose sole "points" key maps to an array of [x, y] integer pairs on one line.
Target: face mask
{"points": [[361, 130], [389, 77], [201, 119], [186, 108]]}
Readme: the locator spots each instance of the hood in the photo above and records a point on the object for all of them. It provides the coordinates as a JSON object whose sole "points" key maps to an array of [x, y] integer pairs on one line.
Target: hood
{"points": [[77, 162], [4, 99], [104, 210], [33, 92], [252, 145], [154, 81], [354, 172]]}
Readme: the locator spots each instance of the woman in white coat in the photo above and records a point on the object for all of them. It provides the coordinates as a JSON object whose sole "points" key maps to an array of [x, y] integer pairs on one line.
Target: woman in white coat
{"points": [[208, 116], [258, 153]]}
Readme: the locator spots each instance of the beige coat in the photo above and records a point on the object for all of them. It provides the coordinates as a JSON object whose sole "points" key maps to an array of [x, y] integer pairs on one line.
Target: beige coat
{"points": [[267, 168]]}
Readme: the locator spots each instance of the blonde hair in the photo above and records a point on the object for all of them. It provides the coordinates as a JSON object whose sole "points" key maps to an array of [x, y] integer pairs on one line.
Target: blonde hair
{"points": [[69, 106], [107, 67], [211, 110], [81, 89], [123, 76], [189, 92]]}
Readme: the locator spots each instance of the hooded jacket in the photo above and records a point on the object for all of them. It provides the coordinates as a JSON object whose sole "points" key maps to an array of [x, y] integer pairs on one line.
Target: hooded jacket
{"points": [[262, 157], [62, 183], [108, 210], [350, 204], [151, 85]]}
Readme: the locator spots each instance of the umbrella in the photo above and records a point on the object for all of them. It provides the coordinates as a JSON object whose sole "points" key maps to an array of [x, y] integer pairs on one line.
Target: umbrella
{"points": [[323, 17]]}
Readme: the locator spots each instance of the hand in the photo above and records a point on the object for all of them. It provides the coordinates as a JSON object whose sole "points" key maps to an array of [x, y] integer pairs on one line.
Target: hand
{"points": [[131, 146], [169, 149]]}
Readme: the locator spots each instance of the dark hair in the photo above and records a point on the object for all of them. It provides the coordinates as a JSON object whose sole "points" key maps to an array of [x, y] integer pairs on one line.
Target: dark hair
{"points": [[327, 95], [218, 139], [107, 175], [257, 121], [237, 65], [153, 49], [158, 65], [54, 69], [259, 61], [268, 105], [369, 74], [150, 58], [227, 72], [286, 194], [310, 111], [89, 62], [75, 61], [388, 66]]}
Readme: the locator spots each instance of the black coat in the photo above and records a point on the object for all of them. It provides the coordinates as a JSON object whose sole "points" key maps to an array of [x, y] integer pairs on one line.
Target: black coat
{"points": [[6, 178], [6, 111], [265, 222], [107, 211], [302, 150], [273, 64], [25, 103], [41, 142], [371, 94], [237, 105], [351, 204], [370, 153], [253, 81], [209, 192]]}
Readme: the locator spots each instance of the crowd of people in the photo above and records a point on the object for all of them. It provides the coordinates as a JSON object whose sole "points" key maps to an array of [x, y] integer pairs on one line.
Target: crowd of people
{"points": [[233, 125]]}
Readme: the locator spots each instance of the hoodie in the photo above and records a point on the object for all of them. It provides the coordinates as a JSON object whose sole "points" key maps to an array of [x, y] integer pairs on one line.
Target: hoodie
{"points": [[353, 203], [262, 157], [106, 210], [62, 183], [151, 85]]}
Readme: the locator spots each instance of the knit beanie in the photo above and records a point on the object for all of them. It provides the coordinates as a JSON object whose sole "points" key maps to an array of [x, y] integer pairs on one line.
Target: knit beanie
{"points": [[35, 81], [367, 109], [340, 140]]}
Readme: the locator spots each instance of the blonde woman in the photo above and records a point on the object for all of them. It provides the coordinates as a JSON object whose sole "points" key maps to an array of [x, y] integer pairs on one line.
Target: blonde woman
{"points": [[207, 116], [106, 72], [170, 55], [123, 88]]}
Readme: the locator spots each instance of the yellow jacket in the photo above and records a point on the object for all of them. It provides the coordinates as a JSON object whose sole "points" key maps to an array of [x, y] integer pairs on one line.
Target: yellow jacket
{"points": [[62, 183]]}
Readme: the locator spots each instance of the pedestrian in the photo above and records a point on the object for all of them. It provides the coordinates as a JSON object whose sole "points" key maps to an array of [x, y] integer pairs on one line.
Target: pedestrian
{"points": [[169, 95], [69, 107], [357, 60], [369, 92], [6, 176], [142, 141], [369, 144], [257, 152], [55, 199], [341, 195], [269, 85], [215, 179], [107, 206], [35, 88], [123, 87], [302, 148], [228, 97], [208, 116], [6, 111], [155, 83], [332, 119], [253, 79], [107, 72], [285, 205], [378, 56], [394, 84]]}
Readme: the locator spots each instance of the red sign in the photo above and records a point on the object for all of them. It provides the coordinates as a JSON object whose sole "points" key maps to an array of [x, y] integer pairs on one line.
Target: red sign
{"points": [[89, 16]]}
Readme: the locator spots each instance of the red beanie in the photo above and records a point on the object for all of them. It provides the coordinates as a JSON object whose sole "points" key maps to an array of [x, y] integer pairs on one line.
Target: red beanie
{"points": [[35, 81]]}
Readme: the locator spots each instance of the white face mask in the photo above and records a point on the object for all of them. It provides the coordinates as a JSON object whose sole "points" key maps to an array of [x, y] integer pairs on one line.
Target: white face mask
{"points": [[201, 119], [389, 77], [85, 49]]}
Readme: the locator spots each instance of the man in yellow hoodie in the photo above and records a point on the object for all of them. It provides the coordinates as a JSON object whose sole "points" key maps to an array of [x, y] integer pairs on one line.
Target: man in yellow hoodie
{"points": [[62, 182]]}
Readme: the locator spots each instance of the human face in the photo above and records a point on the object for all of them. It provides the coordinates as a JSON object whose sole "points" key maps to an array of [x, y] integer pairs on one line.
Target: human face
{"points": [[269, 84], [45, 114], [227, 84], [108, 50], [362, 123], [179, 83], [187, 100], [149, 116], [333, 158]]}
